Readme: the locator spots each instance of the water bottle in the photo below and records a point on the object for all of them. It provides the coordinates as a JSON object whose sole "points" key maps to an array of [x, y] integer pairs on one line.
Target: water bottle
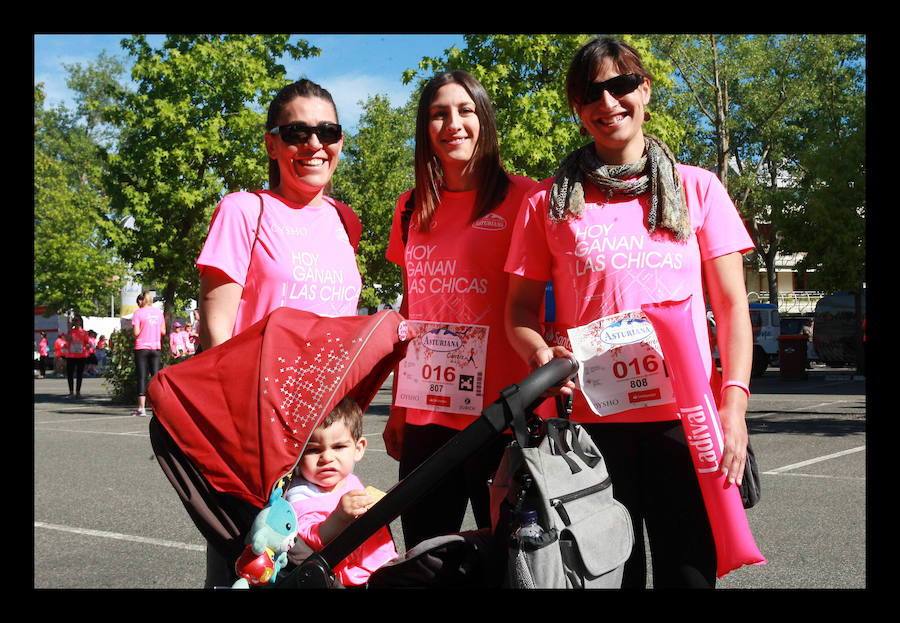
{"points": [[529, 531]]}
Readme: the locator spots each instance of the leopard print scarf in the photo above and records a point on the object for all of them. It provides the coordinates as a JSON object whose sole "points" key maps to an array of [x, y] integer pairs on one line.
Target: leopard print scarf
{"points": [[656, 174]]}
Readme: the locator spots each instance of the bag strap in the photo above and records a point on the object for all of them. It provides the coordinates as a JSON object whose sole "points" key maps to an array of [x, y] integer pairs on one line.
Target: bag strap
{"points": [[555, 427], [256, 234], [517, 423], [351, 222]]}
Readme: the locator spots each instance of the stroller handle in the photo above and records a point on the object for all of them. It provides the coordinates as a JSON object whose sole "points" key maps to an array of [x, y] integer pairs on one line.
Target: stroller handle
{"points": [[553, 373]]}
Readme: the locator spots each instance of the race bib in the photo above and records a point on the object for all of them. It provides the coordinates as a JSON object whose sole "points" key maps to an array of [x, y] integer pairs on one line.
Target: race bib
{"points": [[621, 364], [444, 367]]}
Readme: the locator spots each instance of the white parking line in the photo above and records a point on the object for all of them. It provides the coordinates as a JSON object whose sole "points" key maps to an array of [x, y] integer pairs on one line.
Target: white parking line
{"points": [[121, 537], [751, 415], [787, 468]]}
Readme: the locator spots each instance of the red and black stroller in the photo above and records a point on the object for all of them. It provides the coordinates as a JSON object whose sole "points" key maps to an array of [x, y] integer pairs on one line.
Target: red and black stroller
{"points": [[231, 423]]}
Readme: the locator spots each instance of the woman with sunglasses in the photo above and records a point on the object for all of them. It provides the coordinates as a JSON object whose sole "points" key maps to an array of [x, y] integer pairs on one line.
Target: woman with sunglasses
{"points": [[622, 224], [287, 246], [450, 235]]}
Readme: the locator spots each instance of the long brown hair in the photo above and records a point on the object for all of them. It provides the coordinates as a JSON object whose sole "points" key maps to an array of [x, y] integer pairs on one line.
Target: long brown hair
{"points": [[493, 182]]}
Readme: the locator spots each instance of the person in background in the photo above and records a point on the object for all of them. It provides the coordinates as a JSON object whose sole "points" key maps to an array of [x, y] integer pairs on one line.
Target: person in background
{"points": [[102, 345], [178, 342], [149, 326], [458, 221], [622, 224], [287, 246], [189, 339], [78, 345], [195, 332], [59, 354], [91, 362], [43, 352]]}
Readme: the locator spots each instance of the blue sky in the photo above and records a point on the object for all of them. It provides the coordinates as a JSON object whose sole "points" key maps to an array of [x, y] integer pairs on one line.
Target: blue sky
{"points": [[352, 66]]}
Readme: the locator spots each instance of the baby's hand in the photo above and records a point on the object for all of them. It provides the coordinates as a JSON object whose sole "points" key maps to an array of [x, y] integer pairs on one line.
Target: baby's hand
{"points": [[354, 503]]}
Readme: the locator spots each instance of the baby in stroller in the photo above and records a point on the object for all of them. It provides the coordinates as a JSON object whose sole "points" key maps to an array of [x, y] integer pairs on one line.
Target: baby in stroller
{"points": [[327, 496]]}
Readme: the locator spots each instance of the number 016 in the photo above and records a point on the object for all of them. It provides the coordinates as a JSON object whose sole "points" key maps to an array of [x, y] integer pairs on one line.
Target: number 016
{"points": [[446, 374], [647, 365]]}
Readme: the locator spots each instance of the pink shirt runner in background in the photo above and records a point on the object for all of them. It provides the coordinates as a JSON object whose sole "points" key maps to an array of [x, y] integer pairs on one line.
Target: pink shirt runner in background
{"points": [[303, 258], [606, 262], [179, 341], [79, 345], [150, 321]]}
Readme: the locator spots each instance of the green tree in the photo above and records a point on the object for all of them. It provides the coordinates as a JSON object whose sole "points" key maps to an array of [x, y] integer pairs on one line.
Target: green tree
{"points": [[749, 100], [525, 78], [376, 168], [190, 133], [73, 268], [830, 229]]}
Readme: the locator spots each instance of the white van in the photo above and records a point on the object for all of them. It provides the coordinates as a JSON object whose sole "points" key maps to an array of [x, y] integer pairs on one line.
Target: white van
{"points": [[766, 331]]}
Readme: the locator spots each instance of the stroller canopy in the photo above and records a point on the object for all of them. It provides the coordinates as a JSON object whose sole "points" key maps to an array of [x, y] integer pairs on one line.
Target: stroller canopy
{"points": [[243, 411]]}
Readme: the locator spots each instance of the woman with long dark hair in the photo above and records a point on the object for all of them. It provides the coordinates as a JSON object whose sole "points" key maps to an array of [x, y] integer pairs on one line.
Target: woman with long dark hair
{"points": [[449, 236]]}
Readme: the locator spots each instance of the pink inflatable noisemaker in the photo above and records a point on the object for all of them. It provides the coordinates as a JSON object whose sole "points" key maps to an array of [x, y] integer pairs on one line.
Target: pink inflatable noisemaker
{"points": [[675, 330]]}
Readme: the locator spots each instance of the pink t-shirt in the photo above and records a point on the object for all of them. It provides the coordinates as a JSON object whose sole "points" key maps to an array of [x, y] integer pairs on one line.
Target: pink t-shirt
{"points": [[80, 344], [313, 507], [454, 273], [179, 343], [607, 262], [150, 321], [303, 258]]}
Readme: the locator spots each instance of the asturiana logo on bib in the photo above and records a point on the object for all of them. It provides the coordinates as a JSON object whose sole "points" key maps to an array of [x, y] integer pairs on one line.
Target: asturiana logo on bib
{"points": [[441, 340], [490, 222], [626, 331]]}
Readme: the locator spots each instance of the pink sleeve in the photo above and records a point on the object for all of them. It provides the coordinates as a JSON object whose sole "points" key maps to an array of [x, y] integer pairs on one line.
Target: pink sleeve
{"points": [[230, 237], [721, 231], [529, 256], [308, 525]]}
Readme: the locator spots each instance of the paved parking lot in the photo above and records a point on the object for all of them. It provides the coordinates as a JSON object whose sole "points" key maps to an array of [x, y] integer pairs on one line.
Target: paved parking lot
{"points": [[106, 517]]}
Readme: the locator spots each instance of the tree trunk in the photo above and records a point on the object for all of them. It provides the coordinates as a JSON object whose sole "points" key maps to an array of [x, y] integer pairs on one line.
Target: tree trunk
{"points": [[722, 138]]}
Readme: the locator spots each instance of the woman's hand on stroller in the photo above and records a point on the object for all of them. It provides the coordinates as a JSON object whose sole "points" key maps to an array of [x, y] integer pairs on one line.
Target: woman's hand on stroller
{"points": [[544, 354]]}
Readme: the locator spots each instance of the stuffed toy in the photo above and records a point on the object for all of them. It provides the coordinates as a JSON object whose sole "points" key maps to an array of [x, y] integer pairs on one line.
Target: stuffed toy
{"points": [[272, 534]]}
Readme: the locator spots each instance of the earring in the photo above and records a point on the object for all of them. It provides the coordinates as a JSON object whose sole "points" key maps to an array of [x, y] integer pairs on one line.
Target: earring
{"points": [[646, 115]]}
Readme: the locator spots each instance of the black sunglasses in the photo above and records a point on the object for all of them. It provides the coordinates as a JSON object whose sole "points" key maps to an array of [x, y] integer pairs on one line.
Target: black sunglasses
{"points": [[618, 86], [297, 133]]}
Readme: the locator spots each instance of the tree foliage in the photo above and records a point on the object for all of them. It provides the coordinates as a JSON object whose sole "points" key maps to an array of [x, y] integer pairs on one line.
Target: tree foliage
{"points": [[376, 168], [754, 102], [74, 269], [831, 228], [189, 134], [131, 177]]}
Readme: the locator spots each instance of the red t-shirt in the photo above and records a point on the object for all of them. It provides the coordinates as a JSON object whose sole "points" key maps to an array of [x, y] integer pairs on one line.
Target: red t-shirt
{"points": [[454, 273]]}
